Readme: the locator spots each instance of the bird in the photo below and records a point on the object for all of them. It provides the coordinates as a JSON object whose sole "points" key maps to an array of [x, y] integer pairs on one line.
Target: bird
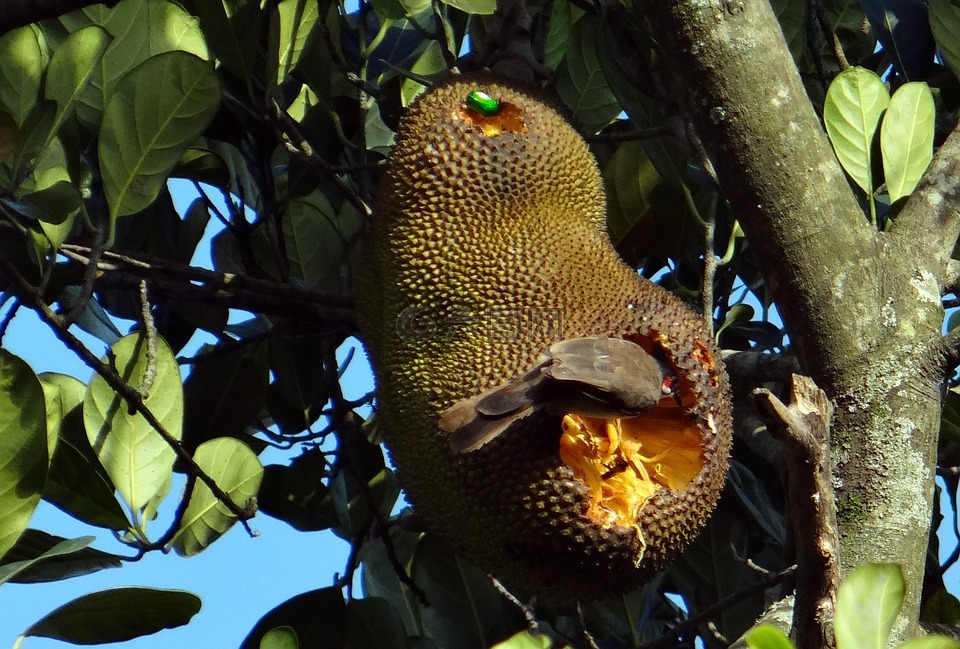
{"points": [[597, 376]]}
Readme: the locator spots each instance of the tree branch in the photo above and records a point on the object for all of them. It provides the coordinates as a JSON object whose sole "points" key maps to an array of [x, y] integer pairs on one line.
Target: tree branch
{"points": [[803, 430], [929, 223], [178, 281]]}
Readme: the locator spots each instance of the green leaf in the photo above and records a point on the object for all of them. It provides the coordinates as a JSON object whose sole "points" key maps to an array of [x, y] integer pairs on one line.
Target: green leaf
{"points": [[478, 7], [430, 65], [580, 81], [236, 470], [62, 394], [40, 557], [561, 24], [77, 483], [855, 101], [318, 617], [282, 637], [9, 136], [23, 57], [116, 615], [313, 241], [137, 459], [868, 602], [941, 607], [631, 180], [945, 23], [23, 447], [767, 637], [155, 112], [906, 138], [931, 642], [465, 609], [229, 28], [294, 23], [526, 640], [224, 393], [11, 569], [372, 623], [140, 30], [71, 67]]}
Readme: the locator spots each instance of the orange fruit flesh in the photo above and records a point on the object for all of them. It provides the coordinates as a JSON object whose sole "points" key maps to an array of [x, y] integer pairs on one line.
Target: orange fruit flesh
{"points": [[623, 462]]}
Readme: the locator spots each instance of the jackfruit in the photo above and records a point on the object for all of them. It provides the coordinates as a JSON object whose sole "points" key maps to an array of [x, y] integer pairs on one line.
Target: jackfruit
{"points": [[488, 245]]}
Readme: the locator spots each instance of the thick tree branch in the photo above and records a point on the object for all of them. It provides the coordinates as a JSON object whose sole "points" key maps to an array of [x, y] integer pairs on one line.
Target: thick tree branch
{"points": [[17, 13], [803, 428], [862, 308], [750, 110], [929, 223]]}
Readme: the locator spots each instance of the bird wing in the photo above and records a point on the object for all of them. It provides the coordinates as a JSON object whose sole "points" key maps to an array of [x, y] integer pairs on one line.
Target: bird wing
{"points": [[620, 374], [474, 421]]}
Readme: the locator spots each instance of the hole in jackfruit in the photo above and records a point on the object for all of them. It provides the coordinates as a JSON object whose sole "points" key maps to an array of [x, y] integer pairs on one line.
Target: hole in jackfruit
{"points": [[623, 462], [509, 119]]}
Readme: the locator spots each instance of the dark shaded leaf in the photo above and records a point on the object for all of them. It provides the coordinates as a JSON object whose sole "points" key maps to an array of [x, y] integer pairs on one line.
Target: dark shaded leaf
{"points": [[116, 615], [318, 617], [40, 557], [903, 28]]}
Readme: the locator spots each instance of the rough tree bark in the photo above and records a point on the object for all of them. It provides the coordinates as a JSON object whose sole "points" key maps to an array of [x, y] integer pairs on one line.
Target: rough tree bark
{"points": [[861, 306]]}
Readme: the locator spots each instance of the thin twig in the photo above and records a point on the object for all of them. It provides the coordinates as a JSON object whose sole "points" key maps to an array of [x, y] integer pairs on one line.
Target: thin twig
{"points": [[299, 146], [9, 315], [89, 277], [632, 135], [670, 638], [150, 333]]}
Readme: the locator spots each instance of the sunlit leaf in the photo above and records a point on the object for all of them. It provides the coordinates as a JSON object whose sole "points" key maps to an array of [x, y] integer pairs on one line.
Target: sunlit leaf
{"points": [[282, 637], [139, 31], [527, 640], [236, 470], [23, 57], [62, 394], [297, 19], [137, 459], [23, 447], [481, 7], [430, 65], [72, 65], [155, 112], [767, 637], [906, 138], [855, 101], [116, 615], [868, 602]]}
